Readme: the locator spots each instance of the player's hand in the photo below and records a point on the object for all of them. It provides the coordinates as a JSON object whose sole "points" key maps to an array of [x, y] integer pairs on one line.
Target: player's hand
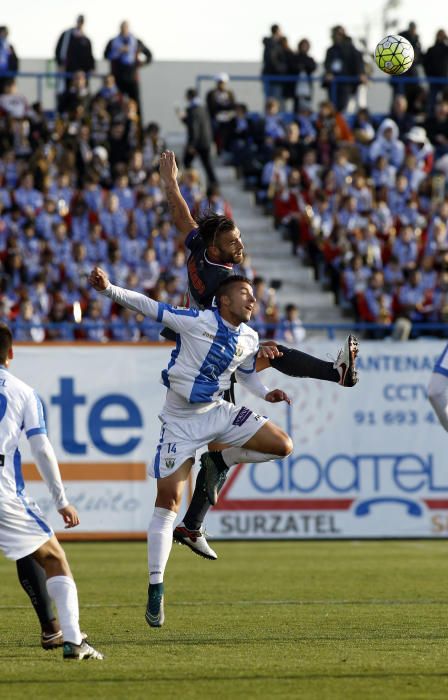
{"points": [[70, 516], [168, 167], [98, 279], [276, 396], [269, 350]]}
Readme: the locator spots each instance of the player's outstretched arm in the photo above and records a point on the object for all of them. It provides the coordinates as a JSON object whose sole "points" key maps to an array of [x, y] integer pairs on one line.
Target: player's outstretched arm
{"points": [[177, 206], [178, 319], [125, 297]]}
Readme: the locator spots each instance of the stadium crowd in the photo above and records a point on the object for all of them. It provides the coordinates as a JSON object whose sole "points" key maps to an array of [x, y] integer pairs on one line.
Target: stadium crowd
{"points": [[361, 198]]}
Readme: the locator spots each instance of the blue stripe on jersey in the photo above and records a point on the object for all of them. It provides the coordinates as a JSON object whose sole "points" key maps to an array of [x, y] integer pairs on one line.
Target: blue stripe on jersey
{"points": [[157, 457], [20, 485], [18, 476], [249, 371], [174, 356], [216, 362], [174, 310], [36, 431]]}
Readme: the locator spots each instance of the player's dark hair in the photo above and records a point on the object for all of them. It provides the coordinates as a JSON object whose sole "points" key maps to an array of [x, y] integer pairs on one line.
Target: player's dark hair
{"points": [[211, 225], [226, 284], [5, 342]]}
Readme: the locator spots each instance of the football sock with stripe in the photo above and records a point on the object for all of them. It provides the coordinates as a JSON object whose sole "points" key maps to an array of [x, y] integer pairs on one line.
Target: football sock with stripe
{"points": [[295, 363], [160, 541], [62, 589]]}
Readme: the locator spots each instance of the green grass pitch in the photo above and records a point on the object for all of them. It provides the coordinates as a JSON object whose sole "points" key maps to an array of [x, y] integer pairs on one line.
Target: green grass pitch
{"points": [[267, 620]]}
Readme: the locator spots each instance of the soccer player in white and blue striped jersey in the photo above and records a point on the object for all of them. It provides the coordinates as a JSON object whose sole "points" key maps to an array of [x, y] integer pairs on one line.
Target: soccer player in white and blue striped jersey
{"points": [[438, 389], [24, 529], [211, 345]]}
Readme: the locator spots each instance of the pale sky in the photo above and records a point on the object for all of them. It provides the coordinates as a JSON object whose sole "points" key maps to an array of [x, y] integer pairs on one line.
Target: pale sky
{"points": [[214, 30]]}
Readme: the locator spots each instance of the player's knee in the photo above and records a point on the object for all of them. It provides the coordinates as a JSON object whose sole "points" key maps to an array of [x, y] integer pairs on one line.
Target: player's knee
{"points": [[169, 500], [53, 556], [285, 445]]}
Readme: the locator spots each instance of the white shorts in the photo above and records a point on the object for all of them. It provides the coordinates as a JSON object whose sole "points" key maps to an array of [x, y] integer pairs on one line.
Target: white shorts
{"points": [[23, 527], [181, 437]]}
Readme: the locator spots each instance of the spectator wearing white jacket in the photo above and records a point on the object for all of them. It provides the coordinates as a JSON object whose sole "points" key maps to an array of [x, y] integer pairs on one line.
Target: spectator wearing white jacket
{"points": [[388, 144]]}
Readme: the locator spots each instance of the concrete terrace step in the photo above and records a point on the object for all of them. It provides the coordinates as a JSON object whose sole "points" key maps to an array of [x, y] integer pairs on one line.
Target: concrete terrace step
{"points": [[272, 258]]}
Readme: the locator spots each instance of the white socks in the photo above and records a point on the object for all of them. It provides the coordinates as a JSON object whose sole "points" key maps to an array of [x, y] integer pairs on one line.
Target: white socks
{"points": [[160, 541], [62, 589], [236, 455]]}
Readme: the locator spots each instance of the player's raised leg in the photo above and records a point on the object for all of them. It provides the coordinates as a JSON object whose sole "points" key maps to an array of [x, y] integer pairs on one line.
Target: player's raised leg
{"points": [[62, 589], [269, 443], [296, 363]]}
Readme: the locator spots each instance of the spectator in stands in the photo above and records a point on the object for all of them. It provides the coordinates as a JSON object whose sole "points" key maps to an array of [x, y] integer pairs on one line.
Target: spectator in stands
{"points": [[74, 51], [405, 248], [77, 95], [303, 66], [378, 301], [342, 60], [291, 328], [27, 324], [274, 63], [415, 302], [199, 134], [221, 108], [153, 145], [112, 217], [363, 132], [164, 245], [418, 144], [111, 94], [436, 127], [12, 102], [354, 280], [27, 197], [8, 58], [387, 143], [149, 269], [435, 63], [400, 115], [215, 202], [411, 90], [126, 53], [287, 85]]}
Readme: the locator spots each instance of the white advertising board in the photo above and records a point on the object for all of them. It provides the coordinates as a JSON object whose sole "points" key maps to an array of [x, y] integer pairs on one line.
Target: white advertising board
{"points": [[371, 461]]}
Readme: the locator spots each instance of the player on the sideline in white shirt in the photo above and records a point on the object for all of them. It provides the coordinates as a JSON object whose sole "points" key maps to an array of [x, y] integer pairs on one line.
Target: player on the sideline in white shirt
{"points": [[211, 345], [24, 529], [438, 388]]}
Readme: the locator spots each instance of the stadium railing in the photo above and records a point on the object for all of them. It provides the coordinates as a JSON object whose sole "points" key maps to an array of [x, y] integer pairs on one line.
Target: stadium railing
{"points": [[398, 82], [58, 79], [69, 331]]}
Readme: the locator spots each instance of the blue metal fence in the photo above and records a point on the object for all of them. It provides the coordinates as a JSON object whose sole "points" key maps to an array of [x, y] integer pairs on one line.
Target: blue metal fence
{"points": [[117, 330], [395, 82], [39, 78]]}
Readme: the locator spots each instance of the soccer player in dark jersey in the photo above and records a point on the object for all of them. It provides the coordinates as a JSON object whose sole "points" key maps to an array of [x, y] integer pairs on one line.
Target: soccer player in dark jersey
{"points": [[215, 246]]}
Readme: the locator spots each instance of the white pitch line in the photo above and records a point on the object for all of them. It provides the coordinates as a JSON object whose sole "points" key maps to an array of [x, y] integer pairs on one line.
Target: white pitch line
{"points": [[248, 603]]}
